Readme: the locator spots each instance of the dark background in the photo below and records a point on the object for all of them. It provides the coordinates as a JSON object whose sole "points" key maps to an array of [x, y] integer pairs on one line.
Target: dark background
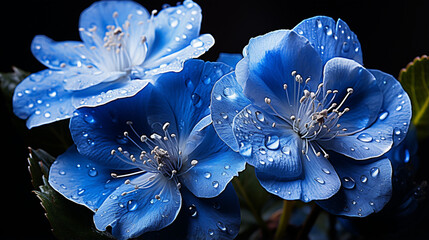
{"points": [[392, 34]]}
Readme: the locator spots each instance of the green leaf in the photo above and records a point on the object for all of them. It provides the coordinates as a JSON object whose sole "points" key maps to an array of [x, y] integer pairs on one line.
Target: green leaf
{"points": [[8, 81], [69, 221], [415, 80]]}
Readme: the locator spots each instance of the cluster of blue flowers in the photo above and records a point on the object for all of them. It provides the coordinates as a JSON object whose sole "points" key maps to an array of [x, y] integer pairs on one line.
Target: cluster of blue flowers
{"points": [[159, 136]]}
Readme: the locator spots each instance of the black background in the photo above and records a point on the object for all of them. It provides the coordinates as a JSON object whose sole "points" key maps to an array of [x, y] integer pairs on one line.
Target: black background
{"points": [[391, 33]]}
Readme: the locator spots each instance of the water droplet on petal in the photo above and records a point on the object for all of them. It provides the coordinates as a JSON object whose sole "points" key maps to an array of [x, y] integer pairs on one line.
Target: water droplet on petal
{"points": [[348, 183], [399, 108], [228, 92], [345, 47], [286, 150], [259, 116], [365, 137], [207, 175], [319, 180], [210, 232], [325, 170], [132, 205], [88, 118], [215, 184], [173, 22], [62, 172], [221, 226], [272, 142], [383, 115], [92, 172], [196, 43], [196, 100], [363, 179], [245, 149], [374, 171]]}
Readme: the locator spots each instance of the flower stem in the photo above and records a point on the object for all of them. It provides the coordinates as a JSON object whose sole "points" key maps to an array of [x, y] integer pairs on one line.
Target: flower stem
{"points": [[284, 219], [309, 222], [256, 214]]}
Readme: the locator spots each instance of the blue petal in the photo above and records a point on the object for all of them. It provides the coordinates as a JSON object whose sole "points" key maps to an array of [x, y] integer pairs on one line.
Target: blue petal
{"points": [[364, 102], [97, 131], [231, 59], [106, 92], [176, 38], [115, 13], [59, 55], [227, 99], [42, 99], [396, 109], [81, 180], [137, 212], [272, 58], [188, 92], [330, 39], [217, 165], [204, 218], [269, 145], [319, 181], [366, 187], [174, 61]]}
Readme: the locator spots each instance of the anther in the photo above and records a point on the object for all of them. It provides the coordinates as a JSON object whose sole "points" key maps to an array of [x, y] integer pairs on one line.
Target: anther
{"points": [[157, 197], [194, 162], [267, 100], [285, 86], [143, 138], [293, 73], [165, 126], [113, 152], [115, 14], [125, 134], [128, 181]]}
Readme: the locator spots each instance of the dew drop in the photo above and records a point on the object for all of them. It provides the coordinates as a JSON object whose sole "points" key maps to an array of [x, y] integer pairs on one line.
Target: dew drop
{"points": [[88, 118], [173, 22], [319, 180], [328, 30], [259, 116], [132, 205], [196, 43], [363, 179], [227, 167], [272, 142], [189, 26], [92, 172], [245, 149], [325, 170], [62, 172], [221, 226], [348, 183], [207, 175], [286, 150], [52, 93], [217, 96], [383, 115], [224, 115], [207, 80], [262, 151], [196, 100], [399, 108], [228, 92], [374, 171], [215, 184], [210, 232], [193, 210], [345, 47], [262, 162], [365, 137], [47, 115]]}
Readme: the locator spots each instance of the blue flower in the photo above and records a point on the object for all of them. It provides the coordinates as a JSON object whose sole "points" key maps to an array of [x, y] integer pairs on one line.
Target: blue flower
{"points": [[123, 47], [307, 115], [153, 162]]}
